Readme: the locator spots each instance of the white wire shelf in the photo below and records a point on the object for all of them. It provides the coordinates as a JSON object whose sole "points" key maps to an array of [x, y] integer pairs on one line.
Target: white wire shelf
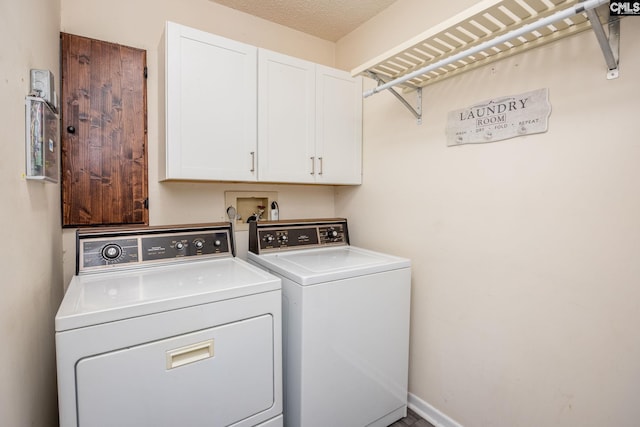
{"points": [[489, 31]]}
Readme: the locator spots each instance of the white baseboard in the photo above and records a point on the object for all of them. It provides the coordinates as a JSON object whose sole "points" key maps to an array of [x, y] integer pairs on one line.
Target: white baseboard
{"points": [[430, 413]]}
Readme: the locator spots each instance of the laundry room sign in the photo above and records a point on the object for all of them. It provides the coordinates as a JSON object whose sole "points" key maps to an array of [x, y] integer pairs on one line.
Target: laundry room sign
{"points": [[500, 118]]}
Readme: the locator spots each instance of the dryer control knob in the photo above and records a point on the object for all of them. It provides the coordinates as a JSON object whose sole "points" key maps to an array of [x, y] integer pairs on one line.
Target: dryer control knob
{"points": [[179, 246], [217, 243], [269, 238], [199, 244], [332, 233]]}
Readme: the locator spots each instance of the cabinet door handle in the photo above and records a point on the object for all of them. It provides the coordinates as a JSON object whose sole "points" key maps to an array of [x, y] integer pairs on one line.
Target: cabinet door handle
{"points": [[313, 165], [253, 162], [320, 158]]}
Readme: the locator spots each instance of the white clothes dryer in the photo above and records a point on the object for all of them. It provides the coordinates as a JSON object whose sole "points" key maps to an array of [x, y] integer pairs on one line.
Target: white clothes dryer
{"points": [[163, 326], [345, 323]]}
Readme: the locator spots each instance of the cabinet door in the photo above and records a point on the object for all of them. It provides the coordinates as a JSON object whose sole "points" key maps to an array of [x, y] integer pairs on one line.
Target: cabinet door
{"points": [[286, 106], [104, 133], [210, 101], [338, 127]]}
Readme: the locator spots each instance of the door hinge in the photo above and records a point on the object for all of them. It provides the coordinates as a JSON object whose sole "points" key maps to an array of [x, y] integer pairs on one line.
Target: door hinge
{"points": [[145, 72], [146, 203]]}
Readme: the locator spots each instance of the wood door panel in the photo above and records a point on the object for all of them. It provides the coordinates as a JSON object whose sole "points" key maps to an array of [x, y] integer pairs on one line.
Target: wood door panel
{"points": [[104, 162]]}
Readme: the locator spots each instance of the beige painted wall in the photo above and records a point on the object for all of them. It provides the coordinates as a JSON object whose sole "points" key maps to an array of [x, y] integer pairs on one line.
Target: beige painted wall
{"points": [[140, 24], [31, 252], [526, 272]]}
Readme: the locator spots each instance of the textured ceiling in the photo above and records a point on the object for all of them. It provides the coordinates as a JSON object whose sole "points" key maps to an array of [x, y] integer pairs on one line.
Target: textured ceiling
{"points": [[327, 19]]}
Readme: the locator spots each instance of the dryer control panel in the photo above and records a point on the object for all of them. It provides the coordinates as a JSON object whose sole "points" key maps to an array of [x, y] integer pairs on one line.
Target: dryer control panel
{"points": [[269, 236], [100, 249]]}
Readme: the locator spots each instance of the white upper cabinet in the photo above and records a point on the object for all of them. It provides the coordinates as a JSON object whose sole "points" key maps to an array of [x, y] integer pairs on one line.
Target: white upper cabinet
{"points": [[234, 112], [210, 104], [338, 127], [286, 118], [309, 122]]}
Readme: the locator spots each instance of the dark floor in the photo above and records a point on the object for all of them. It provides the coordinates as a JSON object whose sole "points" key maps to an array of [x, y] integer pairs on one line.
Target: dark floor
{"points": [[412, 419]]}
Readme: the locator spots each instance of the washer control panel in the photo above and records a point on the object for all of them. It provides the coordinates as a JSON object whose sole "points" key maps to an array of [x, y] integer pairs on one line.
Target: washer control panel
{"points": [[271, 236], [124, 248]]}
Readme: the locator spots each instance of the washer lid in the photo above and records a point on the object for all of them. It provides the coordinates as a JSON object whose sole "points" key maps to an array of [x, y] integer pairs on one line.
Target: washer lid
{"points": [[110, 296], [312, 266]]}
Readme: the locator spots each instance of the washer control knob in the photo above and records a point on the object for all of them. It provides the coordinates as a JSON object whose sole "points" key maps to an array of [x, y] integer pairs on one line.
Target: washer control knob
{"points": [[199, 244], [179, 246], [269, 238], [217, 243], [111, 251], [283, 238], [332, 233]]}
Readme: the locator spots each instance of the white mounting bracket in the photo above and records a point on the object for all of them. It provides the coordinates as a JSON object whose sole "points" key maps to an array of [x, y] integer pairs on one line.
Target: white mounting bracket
{"points": [[610, 45], [417, 111]]}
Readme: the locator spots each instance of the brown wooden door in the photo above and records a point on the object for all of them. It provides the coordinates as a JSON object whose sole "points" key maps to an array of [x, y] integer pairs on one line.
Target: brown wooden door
{"points": [[103, 133]]}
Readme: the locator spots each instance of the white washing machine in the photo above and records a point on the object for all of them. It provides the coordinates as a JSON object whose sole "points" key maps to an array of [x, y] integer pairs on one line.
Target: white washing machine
{"points": [[163, 326], [345, 324]]}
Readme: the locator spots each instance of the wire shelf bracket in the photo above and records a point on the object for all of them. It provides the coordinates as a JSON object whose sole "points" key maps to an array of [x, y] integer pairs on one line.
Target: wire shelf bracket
{"points": [[417, 110], [610, 46]]}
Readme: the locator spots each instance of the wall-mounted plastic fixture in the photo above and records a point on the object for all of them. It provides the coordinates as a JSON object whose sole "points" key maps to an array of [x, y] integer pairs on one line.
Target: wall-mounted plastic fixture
{"points": [[42, 140], [249, 204], [43, 86]]}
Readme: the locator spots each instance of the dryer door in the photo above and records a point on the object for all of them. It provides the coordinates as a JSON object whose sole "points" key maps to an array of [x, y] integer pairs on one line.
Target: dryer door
{"points": [[215, 377]]}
